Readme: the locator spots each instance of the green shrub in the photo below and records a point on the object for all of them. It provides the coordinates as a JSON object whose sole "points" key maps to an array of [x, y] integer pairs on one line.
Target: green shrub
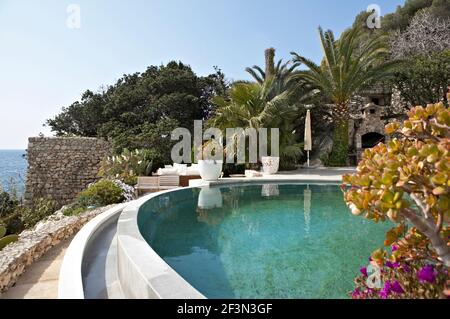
{"points": [[10, 214], [339, 154], [7, 204], [13, 222], [74, 210], [127, 166], [41, 209], [6, 240], [287, 165], [102, 193]]}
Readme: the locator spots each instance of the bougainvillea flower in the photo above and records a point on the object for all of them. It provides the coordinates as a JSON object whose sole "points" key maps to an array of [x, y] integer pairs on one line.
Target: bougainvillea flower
{"points": [[397, 288], [356, 293], [386, 291], [392, 265], [427, 274], [363, 271], [406, 268]]}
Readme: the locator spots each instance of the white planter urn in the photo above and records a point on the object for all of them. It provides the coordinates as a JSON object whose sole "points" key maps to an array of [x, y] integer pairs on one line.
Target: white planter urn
{"points": [[210, 170], [270, 164]]}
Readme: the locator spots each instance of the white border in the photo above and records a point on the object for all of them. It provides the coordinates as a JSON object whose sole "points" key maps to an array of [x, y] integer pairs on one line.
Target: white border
{"points": [[70, 282]]}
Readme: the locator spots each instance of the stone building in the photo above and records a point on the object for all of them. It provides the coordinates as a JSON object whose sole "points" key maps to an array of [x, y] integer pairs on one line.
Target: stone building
{"points": [[370, 113], [370, 130]]}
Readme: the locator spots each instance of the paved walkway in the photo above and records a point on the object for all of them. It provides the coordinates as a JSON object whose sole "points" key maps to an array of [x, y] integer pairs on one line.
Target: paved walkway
{"points": [[40, 281]]}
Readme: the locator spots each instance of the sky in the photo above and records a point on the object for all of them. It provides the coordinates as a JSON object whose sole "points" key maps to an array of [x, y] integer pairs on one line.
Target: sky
{"points": [[49, 57]]}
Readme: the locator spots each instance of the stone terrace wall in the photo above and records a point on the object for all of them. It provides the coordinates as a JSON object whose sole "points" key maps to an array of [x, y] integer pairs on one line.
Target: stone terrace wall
{"points": [[61, 167]]}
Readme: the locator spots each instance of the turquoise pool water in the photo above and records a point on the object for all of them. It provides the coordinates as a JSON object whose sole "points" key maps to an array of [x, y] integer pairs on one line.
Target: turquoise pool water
{"points": [[261, 241]]}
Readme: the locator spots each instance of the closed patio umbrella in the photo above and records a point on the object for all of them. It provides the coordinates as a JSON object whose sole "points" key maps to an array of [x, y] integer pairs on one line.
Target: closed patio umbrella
{"points": [[308, 138]]}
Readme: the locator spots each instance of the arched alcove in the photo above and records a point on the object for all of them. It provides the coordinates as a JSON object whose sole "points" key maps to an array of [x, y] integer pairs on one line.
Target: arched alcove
{"points": [[372, 139]]}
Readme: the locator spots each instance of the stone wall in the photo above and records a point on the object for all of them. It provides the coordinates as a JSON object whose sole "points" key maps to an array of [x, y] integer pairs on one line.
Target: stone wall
{"points": [[60, 167]]}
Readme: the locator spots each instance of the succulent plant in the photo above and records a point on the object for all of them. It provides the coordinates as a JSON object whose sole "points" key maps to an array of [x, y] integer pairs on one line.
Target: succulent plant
{"points": [[6, 240]]}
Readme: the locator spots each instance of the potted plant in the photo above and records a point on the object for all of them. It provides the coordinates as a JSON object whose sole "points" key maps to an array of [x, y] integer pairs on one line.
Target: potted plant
{"points": [[270, 164], [210, 168]]}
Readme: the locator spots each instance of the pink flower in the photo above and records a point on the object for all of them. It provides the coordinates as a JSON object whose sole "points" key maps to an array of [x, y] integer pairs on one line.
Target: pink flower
{"points": [[363, 271], [394, 248], [389, 288], [356, 293], [397, 288], [386, 291], [406, 268], [392, 265], [427, 274]]}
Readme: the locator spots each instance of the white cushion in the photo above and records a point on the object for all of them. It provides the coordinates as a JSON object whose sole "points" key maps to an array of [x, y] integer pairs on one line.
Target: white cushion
{"points": [[167, 171], [181, 168], [192, 171], [168, 166]]}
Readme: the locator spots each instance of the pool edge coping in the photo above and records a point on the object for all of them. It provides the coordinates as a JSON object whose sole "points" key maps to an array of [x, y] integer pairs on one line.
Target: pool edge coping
{"points": [[70, 279]]}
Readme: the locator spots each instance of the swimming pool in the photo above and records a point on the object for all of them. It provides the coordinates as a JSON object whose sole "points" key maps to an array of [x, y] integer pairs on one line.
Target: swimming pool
{"points": [[260, 241]]}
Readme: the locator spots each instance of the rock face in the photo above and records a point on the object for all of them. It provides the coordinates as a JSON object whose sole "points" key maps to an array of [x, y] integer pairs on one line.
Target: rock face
{"points": [[59, 168], [32, 244]]}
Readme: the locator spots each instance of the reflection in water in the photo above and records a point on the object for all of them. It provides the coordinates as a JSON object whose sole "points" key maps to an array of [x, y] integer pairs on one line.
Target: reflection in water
{"points": [[209, 206], [210, 198], [307, 194], [270, 190], [233, 242]]}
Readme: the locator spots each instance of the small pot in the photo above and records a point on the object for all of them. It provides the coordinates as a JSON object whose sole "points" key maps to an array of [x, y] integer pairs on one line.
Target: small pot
{"points": [[270, 164]]}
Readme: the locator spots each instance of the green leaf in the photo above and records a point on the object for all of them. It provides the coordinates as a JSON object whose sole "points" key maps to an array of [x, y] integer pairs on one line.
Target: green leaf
{"points": [[439, 191], [5, 241], [439, 179], [387, 179], [2, 231]]}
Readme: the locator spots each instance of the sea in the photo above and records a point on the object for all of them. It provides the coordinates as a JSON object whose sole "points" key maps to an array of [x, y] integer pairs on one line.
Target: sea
{"points": [[13, 169]]}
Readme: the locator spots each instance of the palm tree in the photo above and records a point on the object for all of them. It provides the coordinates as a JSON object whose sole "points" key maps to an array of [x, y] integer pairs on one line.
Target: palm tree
{"points": [[347, 68], [281, 72], [251, 105]]}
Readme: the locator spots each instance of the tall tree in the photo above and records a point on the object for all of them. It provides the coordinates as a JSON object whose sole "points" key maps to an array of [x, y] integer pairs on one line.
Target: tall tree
{"points": [[425, 35], [423, 79], [280, 73], [250, 105], [347, 68], [141, 107]]}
